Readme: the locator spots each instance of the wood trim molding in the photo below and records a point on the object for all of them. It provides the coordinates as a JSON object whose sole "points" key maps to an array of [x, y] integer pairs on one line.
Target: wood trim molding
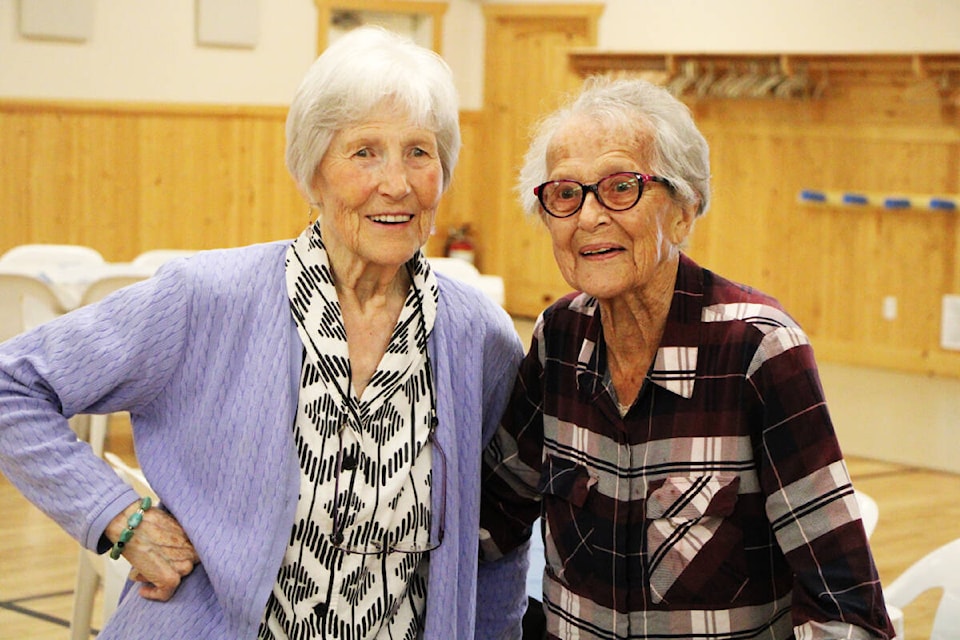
{"points": [[21, 105], [589, 11], [325, 9]]}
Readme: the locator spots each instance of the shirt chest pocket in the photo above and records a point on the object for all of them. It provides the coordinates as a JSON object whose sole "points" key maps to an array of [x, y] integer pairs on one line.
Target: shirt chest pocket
{"points": [[693, 551], [573, 529], [565, 480]]}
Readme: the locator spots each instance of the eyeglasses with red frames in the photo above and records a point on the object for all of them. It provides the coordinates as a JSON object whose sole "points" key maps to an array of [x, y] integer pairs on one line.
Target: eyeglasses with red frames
{"points": [[616, 192]]}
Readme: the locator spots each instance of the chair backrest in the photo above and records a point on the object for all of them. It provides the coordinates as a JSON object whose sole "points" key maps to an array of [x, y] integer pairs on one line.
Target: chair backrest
{"points": [[25, 302], [133, 476], [939, 569], [97, 569], [104, 286], [155, 258], [869, 511], [64, 255], [537, 563], [465, 271], [455, 268]]}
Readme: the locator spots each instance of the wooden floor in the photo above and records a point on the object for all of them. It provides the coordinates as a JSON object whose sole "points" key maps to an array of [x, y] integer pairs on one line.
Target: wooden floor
{"points": [[919, 511]]}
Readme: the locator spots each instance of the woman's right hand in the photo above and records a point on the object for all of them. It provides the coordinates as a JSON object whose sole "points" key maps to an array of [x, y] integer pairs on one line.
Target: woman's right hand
{"points": [[160, 551]]}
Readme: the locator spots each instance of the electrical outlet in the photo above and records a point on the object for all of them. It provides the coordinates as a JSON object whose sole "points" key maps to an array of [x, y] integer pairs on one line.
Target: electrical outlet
{"points": [[889, 309], [950, 323]]}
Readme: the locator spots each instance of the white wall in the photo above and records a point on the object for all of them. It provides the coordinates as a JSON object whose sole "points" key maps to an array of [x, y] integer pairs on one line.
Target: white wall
{"points": [[463, 36], [778, 26], [146, 51]]}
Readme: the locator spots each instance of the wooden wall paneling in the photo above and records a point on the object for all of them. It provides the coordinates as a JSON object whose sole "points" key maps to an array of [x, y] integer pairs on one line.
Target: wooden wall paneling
{"points": [[526, 75], [832, 267], [952, 170], [126, 178], [106, 200], [15, 220], [40, 186], [168, 170], [467, 200], [876, 126], [898, 253], [267, 187]]}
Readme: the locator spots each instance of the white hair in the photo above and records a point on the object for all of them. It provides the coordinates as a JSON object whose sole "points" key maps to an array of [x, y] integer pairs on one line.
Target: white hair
{"points": [[354, 76], [680, 152]]}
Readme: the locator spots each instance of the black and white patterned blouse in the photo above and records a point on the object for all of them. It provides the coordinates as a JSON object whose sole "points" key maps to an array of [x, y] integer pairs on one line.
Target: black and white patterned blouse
{"points": [[378, 446]]}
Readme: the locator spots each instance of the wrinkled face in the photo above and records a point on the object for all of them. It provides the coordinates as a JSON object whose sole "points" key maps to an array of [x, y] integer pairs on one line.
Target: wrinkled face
{"points": [[378, 187], [609, 253]]}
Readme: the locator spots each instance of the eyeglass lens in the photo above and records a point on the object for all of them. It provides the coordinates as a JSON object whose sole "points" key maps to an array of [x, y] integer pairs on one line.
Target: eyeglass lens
{"points": [[617, 192], [404, 546]]}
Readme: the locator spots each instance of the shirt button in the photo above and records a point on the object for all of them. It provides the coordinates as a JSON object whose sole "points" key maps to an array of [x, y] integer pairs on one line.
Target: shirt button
{"points": [[349, 462], [320, 609]]}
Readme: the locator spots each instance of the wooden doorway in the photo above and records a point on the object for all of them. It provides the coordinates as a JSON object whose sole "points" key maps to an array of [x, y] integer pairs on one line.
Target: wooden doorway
{"points": [[527, 74]]}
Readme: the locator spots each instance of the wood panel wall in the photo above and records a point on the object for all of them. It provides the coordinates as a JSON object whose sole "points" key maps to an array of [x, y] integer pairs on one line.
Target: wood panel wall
{"points": [[127, 178], [879, 129], [463, 203], [526, 75]]}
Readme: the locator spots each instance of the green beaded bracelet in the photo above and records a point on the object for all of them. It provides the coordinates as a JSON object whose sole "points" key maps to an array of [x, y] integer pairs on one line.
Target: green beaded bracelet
{"points": [[132, 523]]}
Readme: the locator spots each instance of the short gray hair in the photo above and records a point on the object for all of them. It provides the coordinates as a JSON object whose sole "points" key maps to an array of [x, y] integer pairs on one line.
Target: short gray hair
{"points": [[680, 153], [351, 78]]}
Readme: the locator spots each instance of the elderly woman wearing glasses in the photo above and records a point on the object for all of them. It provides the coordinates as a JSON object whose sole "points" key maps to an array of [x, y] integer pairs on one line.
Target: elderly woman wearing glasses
{"points": [[667, 424], [311, 413]]}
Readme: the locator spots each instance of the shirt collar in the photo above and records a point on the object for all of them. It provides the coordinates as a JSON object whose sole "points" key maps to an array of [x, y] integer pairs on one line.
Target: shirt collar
{"points": [[675, 365]]}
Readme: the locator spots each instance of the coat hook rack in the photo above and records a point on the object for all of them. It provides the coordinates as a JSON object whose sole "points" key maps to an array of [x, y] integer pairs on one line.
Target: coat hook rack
{"points": [[794, 76], [941, 203]]}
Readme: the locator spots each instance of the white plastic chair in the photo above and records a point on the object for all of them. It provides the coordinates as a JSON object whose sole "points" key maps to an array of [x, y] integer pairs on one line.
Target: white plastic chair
{"points": [[155, 258], [939, 569], [537, 563], [492, 286], [65, 267], [869, 511], [105, 285], [95, 569], [64, 255], [25, 302]]}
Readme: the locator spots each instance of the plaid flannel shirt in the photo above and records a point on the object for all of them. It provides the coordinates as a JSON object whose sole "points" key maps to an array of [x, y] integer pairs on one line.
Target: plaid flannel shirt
{"points": [[718, 507]]}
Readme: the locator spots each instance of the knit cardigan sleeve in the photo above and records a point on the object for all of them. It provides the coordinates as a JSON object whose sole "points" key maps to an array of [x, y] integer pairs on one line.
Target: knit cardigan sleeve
{"points": [[106, 357], [203, 357]]}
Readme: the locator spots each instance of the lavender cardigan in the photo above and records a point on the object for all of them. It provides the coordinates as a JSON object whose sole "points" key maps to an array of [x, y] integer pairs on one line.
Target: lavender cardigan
{"points": [[206, 359]]}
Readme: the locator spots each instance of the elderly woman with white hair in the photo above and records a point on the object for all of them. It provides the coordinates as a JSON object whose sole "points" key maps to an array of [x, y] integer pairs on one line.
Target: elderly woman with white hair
{"points": [[668, 425], [310, 413]]}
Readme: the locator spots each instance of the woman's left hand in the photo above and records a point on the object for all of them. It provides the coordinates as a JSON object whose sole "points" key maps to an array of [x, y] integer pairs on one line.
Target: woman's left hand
{"points": [[160, 551]]}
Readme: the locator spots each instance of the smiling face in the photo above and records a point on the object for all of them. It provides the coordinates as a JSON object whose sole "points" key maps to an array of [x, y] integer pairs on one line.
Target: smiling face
{"points": [[378, 188], [604, 253]]}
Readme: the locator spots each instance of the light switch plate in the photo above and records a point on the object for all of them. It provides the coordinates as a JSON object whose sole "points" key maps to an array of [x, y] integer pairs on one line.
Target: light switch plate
{"points": [[950, 323]]}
